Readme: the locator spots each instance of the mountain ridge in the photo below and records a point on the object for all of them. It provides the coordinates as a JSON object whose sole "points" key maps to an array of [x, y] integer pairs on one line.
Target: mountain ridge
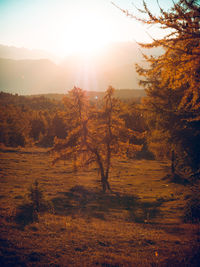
{"points": [[115, 66]]}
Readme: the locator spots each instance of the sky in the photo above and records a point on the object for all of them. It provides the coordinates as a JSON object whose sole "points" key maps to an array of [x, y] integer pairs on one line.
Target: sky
{"points": [[63, 27]]}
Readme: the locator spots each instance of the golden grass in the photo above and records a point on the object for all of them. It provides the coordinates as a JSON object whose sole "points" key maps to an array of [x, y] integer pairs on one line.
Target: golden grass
{"points": [[141, 226]]}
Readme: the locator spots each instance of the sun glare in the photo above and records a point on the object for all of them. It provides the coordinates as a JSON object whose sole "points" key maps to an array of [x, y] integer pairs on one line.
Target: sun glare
{"points": [[85, 34]]}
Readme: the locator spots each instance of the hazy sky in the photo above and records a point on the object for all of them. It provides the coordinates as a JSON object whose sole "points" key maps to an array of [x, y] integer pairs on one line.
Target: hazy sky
{"points": [[65, 26]]}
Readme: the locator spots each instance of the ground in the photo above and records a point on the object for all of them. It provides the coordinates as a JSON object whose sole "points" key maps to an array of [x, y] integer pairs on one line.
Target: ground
{"points": [[141, 224]]}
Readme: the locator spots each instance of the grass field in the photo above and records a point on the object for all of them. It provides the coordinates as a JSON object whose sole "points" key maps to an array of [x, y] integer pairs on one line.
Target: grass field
{"points": [[140, 225]]}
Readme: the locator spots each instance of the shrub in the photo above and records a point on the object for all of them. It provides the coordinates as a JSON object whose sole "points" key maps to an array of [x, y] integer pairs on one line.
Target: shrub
{"points": [[28, 211], [36, 197]]}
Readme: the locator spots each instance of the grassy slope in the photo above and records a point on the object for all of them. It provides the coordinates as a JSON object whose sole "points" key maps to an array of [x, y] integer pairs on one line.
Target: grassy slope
{"points": [[141, 226]]}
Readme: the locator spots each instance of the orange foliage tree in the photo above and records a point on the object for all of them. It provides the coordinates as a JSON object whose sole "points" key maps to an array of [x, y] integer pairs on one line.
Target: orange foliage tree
{"points": [[172, 82], [97, 133]]}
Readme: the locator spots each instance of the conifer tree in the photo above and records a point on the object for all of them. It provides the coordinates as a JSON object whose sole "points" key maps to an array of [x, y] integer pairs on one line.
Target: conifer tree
{"points": [[172, 81], [97, 133]]}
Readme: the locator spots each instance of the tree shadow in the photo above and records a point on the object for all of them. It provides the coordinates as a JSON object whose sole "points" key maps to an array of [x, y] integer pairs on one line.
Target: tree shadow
{"points": [[176, 179], [88, 203], [25, 215], [9, 256], [23, 152]]}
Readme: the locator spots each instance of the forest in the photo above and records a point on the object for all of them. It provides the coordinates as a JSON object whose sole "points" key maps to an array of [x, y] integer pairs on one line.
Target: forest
{"points": [[36, 120], [108, 178]]}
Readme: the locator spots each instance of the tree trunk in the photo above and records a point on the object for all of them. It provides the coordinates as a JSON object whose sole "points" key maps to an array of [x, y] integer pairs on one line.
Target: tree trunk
{"points": [[105, 184], [104, 178], [172, 162]]}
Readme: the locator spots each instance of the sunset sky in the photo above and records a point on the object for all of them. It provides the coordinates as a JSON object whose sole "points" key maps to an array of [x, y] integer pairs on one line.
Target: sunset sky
{"points": [[67, 26]]}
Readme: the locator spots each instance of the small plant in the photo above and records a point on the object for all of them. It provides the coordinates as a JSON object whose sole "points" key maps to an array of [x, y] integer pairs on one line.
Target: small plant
{"points": [[28, 211], [36, 197], [192, 207]]}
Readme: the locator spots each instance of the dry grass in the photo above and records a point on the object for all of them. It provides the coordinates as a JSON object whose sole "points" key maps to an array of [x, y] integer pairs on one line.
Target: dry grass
{"points": [[140, 226]]}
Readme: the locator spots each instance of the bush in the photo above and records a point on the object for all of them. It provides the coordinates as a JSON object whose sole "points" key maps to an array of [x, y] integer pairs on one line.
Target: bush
{"points": [[36, 197], [28, 212]]}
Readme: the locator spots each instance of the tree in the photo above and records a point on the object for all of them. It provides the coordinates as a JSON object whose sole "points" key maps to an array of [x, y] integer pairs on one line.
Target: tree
{"points": [[37, 128], [172, 81], [97, 133], [14, 126]]}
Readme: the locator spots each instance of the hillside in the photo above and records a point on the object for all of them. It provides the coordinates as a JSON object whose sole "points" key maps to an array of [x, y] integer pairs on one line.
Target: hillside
{"points": [[19, 53], [28, 76], [140, 226]]}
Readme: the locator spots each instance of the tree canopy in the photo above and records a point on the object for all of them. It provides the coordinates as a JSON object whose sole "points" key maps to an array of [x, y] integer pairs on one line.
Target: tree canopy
{"points": [[172, 82], [97, 133]]}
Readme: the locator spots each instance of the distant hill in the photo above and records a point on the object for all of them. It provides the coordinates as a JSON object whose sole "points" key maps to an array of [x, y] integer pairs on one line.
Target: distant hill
{"points": [[114, 66], [19, 53], [43, 76], [29, 76]]}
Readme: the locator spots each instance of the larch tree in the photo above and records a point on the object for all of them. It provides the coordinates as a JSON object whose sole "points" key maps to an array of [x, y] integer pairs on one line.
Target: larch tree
{"points": [[172, 82], [97, 133]]}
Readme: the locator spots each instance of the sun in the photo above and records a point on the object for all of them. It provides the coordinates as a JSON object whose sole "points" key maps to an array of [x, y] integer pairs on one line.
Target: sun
{"points": [[85, 34], [85, 29], [89, 35], [88, 38]]}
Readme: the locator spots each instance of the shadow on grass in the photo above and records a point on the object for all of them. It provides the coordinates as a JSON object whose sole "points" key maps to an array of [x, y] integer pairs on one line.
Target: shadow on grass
{"points": [[17, 151], [26, 214], [190, 258], [176, 179], [79, 200], [11, 256]]}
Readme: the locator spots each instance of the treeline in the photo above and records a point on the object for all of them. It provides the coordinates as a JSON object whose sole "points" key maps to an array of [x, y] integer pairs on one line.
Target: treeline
{"points": [[41, 102], [36, 121], [28, 121]]}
